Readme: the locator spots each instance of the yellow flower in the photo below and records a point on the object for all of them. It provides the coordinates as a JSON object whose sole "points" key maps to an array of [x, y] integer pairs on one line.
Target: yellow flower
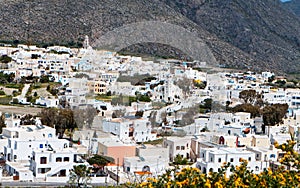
{"points": [[263, 183], [207, 184], [282, 183], [218, 185], [196, 170], [179, 184], [143, 184], [256, 177], [238, 182], [270, 172]]}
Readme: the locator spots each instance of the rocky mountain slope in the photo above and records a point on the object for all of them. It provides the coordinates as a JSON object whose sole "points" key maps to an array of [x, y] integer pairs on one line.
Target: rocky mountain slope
{"points": [[293, 5], [255, 34]]}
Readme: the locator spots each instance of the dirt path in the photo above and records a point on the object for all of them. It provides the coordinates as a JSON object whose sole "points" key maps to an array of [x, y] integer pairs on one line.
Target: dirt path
{"points": [[19, 110]]}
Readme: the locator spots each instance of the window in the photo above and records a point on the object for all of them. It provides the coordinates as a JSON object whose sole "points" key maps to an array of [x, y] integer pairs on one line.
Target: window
{"points": [[41, 145], [272, 156], [219, 160], [58, 159], [62, 173], [177, 147], [43, 170], [257, 168], [43, 160], [231, 159], [249, 158], [182, 148], [66, 159], [30, 146]]}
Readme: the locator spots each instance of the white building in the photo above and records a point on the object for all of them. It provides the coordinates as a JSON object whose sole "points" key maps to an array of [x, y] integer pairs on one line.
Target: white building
{"points": [[137, 129], [149, 158], [32, 151], [47, 102], [212, 159], [178, 146]]}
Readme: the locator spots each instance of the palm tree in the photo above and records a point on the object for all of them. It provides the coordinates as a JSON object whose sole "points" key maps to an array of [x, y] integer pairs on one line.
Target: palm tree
{"points": [[79, 175]]}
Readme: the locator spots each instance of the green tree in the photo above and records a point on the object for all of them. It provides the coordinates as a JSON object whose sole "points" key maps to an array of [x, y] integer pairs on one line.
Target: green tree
{"points": [[44, 79], [274, 114], [184, 84], [2, 122], [118, 113], [28, 119], [49, 116], [139, 113], [61, 119], [188, 117], [100, 160], [85, 117], [79, 175], [207, 103], [5, 59], [2, 92], [248, 96], [252, 109], [179, 160], [66, 121]]}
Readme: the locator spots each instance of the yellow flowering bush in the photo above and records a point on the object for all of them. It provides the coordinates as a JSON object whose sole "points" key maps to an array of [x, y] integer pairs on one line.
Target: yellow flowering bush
{"points": [[287, 175]]}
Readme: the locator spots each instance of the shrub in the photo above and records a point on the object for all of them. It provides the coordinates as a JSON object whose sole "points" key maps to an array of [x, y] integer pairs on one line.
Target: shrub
{"points": [[2, 92]]}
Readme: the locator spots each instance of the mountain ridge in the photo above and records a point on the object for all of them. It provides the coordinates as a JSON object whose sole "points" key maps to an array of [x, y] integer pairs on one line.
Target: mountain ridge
{"points": [[249, 38]]}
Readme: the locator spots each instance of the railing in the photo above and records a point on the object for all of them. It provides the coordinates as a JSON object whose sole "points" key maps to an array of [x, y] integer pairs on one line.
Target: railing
{"points": [[57, 169]]}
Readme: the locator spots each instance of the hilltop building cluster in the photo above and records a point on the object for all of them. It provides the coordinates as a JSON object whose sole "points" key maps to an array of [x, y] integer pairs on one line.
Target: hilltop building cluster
{"points": [[151, 114]]}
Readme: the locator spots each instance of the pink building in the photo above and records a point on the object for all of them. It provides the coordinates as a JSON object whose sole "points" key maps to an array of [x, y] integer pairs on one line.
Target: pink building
{"points": [[116, 149]]}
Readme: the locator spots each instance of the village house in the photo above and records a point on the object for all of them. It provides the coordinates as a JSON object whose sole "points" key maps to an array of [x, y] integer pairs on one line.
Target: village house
{"points": [[130, 128], [212, 159], [115, 148], [32, 151], [178, 146], [149, 158]]}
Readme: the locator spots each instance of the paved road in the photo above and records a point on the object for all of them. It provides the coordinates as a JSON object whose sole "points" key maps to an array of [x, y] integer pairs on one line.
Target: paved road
{"points": [[19, 110], [41, 184]]}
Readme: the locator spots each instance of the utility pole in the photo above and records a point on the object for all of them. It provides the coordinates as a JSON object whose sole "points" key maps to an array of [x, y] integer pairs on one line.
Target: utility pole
{"points": [[118, 172]]}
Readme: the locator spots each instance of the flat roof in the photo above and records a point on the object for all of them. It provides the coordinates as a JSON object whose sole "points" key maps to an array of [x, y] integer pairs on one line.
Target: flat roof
{"points": [[178, 139], [113, 142], [228, 150]]}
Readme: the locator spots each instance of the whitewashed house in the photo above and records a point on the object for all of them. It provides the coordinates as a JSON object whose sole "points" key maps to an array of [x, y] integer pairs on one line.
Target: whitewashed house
{"points": [[32, 151], [149, 158], [212, 159], [130, 128], [47, 102], [178, 146]]}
